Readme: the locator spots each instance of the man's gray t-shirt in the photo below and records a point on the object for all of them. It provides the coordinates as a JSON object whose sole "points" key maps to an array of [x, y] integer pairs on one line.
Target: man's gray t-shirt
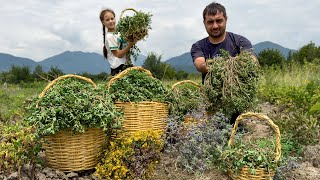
{"points": [[233, 43]]}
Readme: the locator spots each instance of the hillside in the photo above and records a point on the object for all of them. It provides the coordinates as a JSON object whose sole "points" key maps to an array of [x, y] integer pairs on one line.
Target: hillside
{"points": [[7, 60], [184, 61], [78, 62]]}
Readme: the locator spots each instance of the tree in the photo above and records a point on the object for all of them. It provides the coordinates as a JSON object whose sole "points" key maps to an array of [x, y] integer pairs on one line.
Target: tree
{"points": [[307, 53], [20, 74], [269, 57], [54, 73], [38, 73]]}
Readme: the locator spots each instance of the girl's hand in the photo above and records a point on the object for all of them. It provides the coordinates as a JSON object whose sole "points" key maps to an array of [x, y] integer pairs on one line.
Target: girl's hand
{"points": [[132, 43]]}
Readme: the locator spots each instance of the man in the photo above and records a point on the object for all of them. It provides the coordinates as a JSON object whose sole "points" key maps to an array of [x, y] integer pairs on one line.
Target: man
{"points": [[215, 20]]}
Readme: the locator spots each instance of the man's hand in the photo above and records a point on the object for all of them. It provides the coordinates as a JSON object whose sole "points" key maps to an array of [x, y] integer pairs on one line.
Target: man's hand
{"points": [[200, 64]]}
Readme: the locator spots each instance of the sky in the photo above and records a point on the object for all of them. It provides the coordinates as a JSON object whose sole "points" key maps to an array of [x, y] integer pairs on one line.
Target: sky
{"points": [[39, 29]]}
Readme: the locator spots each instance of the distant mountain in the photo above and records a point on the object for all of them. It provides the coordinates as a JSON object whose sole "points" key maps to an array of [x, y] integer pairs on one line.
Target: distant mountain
{"points": [[184, 61], [69, 62], [140, 60], [7, 60], [78, 62], [257, 48]]}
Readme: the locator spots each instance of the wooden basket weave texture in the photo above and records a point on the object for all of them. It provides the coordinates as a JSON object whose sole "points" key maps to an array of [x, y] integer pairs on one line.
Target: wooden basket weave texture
{"points": [[144, 115], [73, 152], [261, 173]]}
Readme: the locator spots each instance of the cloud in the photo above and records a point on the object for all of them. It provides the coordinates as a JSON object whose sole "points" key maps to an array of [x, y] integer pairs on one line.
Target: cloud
{"points": [[39, 29]]}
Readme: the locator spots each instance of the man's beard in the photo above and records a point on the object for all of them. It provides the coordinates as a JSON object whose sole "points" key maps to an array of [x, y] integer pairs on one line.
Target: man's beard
{"points": [[220, 34]]}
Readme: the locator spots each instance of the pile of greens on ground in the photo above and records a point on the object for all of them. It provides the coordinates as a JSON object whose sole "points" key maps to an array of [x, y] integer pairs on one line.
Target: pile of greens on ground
{"points": [[137, 86], [133, 28], [231, 83], [73, 104]]}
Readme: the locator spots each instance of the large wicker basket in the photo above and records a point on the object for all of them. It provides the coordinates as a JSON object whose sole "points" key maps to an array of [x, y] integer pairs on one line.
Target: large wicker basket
{"points": [[260, 173], [145, 115], [73, 152]]}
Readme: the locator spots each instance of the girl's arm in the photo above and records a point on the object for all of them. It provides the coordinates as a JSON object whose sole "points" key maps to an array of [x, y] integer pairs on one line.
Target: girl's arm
{"points": [[121, 53]]}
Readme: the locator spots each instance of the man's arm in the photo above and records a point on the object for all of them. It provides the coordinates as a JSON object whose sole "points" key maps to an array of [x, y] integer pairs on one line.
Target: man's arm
{"points": [[200, 64]]}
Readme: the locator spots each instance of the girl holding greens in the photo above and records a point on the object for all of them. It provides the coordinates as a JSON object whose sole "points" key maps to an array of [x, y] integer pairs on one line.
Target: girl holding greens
{"points": [[115, 49]]}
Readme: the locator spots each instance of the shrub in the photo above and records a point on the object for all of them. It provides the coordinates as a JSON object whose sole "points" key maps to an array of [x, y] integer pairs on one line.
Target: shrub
{"points": [[18, 146]]}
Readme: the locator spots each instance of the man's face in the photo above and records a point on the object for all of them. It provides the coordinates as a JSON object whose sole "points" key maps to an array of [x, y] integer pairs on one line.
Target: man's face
{"points": [[215, 25]]}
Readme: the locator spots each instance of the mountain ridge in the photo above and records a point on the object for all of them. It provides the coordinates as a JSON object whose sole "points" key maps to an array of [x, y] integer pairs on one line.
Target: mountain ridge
{"points": [[75, 62]]}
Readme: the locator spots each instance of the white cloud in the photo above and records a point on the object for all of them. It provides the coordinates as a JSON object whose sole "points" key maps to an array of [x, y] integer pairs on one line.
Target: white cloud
{"points": [[38, 29]]}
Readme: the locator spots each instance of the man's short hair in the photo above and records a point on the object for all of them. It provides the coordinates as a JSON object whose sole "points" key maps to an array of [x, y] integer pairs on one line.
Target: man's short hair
{"points": [[212, 10]]}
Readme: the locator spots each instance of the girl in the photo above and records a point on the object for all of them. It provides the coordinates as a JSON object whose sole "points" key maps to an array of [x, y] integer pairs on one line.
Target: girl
{"points": [[115, 48]]}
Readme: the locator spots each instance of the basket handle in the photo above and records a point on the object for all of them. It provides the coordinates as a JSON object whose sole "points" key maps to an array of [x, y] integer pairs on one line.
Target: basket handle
{"points": [[185, 82], [64, 77], [125, 72], [128, 9], [262, 117]]}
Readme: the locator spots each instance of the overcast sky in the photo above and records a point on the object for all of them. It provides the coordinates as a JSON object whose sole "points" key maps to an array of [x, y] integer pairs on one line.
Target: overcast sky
{"points": [[38, 29]]}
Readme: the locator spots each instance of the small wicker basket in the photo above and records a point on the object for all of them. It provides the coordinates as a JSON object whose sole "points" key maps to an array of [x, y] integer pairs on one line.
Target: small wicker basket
{"points": [[260, 173], [138, 34], [187, 119], [73, 152], [145, 115]]}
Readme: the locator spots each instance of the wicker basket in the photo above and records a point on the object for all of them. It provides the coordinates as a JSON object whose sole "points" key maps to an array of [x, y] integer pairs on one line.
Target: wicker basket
{"points": [[261, 174], [73, 152], [145, 115], [136, 35], [187, 119]]}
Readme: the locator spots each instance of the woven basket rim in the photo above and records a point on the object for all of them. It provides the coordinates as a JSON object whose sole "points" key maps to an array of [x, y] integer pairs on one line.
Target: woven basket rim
{"points": [[262, 117], [125, 72], [185, 82], [64, 77]]}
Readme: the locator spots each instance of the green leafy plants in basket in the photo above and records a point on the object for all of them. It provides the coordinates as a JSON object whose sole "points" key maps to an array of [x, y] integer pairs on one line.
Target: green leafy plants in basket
{"points": [[135, 85], [73, 104]]}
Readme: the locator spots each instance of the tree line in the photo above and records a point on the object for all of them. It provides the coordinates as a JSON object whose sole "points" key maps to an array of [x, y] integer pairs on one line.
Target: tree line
{"points": [[23, 74], [273, 57], [161, 70]]}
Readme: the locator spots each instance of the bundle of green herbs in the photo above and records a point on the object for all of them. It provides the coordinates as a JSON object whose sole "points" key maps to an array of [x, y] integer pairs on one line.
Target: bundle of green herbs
{"points": [[73, 104], [137, 86], [132, 28], [231, 83]]}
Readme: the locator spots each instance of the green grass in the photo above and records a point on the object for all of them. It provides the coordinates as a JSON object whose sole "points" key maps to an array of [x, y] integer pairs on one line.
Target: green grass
{"points": [[12, 99]]}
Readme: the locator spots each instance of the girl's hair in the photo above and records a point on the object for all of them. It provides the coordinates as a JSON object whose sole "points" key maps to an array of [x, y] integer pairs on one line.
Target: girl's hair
{"points": [[105, 51]]}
